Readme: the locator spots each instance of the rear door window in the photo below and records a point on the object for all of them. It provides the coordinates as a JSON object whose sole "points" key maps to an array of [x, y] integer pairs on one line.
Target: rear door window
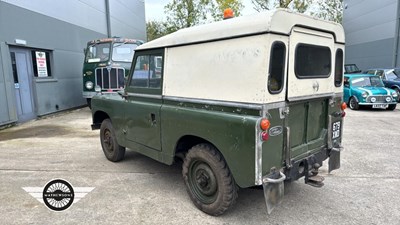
{"points": [[312, 61]]}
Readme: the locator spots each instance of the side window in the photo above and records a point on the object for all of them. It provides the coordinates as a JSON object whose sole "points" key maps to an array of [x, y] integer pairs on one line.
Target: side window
{"points": [[312, 61], [339, 68], [276, 67], [379, 73], [371, 72], [147, 72]]}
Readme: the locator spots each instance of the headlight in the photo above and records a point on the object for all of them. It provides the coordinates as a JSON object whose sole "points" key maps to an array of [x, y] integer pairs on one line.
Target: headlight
{"points": [[394, 94], [388, 99], [89, 84], [364, 94], [373, 99]]}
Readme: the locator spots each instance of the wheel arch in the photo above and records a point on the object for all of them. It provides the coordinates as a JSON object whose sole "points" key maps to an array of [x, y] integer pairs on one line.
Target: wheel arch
{"points": [[395, 86], [186, 142], [355, 97], [98, 118]]}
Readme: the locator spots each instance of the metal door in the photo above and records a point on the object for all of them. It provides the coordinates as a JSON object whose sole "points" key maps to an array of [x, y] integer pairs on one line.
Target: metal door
{"points": [[22, 72], [310, 86]]}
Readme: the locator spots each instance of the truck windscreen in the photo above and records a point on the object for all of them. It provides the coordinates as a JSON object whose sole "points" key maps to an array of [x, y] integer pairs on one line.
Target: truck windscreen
{"points": [[123, 52], [98, 53]]}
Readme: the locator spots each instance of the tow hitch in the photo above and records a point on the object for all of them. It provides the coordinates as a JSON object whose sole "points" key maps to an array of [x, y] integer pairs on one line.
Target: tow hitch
{"points": [[311, 175], [273, 189]]}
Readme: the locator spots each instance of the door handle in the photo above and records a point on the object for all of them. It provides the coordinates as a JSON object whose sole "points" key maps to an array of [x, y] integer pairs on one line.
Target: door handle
{"points": [[153, 119]]}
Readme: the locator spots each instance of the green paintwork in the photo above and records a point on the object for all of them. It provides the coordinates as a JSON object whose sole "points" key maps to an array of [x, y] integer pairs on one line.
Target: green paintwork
{"points": [[232, 133], [272, 150]]}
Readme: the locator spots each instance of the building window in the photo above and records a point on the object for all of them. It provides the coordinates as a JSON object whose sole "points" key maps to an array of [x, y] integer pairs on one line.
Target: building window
{"points": [[41, 63], [276, 67], [312, 61], [339, 68]]}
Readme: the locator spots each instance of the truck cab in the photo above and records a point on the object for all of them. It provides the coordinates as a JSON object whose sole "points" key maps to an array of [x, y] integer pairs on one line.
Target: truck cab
{"points": [[106, 65], [249, 101]]}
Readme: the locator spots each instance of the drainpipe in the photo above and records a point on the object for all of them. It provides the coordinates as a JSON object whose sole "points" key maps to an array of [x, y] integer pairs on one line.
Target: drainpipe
{"points": [[108, 18], [396, 37]]}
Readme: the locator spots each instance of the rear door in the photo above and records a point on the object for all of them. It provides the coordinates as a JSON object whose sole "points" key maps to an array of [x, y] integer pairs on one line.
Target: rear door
{"points": [[310, 86]]}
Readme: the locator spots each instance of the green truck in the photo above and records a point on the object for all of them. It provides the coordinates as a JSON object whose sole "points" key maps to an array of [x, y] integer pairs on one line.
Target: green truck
{"points": [[249, 101], [106, 65]]}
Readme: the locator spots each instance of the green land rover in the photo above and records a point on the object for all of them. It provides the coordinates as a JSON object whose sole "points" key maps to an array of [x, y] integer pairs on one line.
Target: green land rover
{"points": [[244, 102]]}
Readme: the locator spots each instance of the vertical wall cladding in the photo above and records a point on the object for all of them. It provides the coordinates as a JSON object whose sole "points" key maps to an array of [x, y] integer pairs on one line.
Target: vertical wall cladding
{"points": [[63, 30], [89, 14], [128, 19], [7, 100], [370, 32]]}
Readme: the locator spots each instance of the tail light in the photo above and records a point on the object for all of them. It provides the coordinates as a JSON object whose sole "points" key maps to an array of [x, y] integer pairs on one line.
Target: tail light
{"points": [[264, 136], [265, 124], [344, 106]]}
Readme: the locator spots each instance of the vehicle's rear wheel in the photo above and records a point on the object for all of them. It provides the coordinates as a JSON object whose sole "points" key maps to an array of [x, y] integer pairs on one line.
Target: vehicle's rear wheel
{"points": [[392, 107], [112, 150], [353, 104], [208, 180]]}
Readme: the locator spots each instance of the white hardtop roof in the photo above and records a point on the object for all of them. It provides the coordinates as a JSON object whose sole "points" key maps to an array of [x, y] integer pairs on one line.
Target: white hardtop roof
{"points": [[277, 21]]}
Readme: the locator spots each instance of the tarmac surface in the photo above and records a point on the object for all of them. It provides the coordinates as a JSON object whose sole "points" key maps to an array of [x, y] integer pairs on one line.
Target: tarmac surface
{"points": [[139, 190]]}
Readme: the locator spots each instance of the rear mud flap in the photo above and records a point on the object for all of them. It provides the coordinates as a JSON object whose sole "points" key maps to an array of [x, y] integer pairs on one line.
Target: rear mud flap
{"points": [[273, 186], [334, 158]]}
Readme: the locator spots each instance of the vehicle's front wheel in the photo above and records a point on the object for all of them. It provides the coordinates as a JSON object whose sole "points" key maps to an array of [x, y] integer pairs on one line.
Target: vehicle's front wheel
{"points": [[208, 180], [398, 93], [392, 107], [353, 104], [112, 150]]}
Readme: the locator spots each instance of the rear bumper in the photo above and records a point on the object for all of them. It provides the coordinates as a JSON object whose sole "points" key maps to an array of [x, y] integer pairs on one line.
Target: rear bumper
{"points": [[301, 167], [389, 103], [273, 184]]}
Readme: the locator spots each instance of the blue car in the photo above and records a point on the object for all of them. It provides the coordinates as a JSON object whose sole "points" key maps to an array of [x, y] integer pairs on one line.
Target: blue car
{"points": [[368, 90], [390, 77]]}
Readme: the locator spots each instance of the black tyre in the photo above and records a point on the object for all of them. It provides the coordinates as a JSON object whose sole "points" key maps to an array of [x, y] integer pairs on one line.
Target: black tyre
{"points": [[392, 107], [112, 150], [353, 104], [398, 93], [208, 180]]}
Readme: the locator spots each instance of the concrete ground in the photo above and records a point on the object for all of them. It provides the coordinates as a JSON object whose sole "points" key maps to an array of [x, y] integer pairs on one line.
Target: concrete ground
{"points": [[139, 190]]}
